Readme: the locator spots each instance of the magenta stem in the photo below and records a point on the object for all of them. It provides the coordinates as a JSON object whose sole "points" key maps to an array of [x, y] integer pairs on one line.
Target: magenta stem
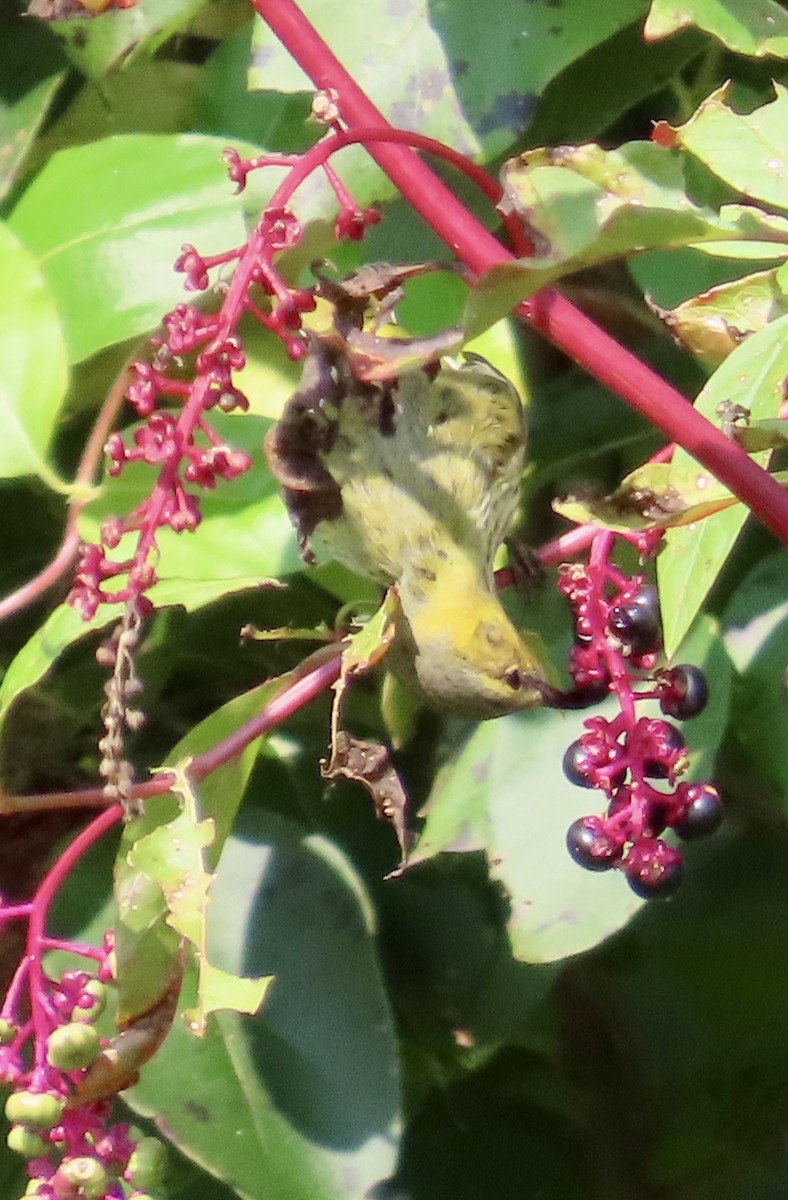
{"points": [[12, 912], [40, 907], [80, 949], [548, 311]]}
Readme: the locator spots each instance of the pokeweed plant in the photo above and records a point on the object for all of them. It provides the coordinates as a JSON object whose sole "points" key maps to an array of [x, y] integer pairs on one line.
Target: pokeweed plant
{"points": [[305, 1098]]}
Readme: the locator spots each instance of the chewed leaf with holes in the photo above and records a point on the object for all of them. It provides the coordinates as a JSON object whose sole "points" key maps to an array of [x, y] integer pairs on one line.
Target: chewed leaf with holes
{"points": [[164, 870], [584, 205], [662, 494], [712, 324], [174, 856], [742, 25], [748, 150]]}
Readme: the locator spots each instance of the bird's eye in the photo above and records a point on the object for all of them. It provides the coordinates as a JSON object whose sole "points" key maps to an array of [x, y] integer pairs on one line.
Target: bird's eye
{"points": [[513, 678]]}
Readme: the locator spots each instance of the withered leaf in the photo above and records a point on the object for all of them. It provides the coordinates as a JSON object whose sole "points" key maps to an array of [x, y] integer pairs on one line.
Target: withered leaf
{"points": [[370, 764]]}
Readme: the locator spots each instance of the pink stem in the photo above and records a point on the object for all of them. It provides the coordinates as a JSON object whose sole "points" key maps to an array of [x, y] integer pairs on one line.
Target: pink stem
{"points": [[40, 907], [548, 311], [13, 912]]}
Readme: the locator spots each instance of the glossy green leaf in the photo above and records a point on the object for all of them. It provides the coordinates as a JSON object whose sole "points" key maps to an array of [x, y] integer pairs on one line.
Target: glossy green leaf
{"points": [[705, 647], [33, 354], [693, 555], [61, 629], [226, 105], [712, 324], [506, 794], [748, 150], [107, 253], [584, 205], [757, 27], [453, 71], [96, 44], [303, 1100]]}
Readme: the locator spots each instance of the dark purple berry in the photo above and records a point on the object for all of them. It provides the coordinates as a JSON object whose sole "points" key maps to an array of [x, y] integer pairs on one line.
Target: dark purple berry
{"points": [[591, 846], [663, 749], [579, 765], [589, 765], [653, 869], [702, 815], [683, 692], [636, 623]]}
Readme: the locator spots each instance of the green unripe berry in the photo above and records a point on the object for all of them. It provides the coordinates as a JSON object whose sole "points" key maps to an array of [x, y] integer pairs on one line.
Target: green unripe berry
{"points": [[37, 1109], [8, 1031], [25, 1142], [98, 991], [72, 1047], [84, 1174], [34, 1187], [147, 1164]]}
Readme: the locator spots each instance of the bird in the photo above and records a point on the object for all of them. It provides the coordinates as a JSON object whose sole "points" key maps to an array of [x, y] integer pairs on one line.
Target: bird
{"points": [[414, 483]]}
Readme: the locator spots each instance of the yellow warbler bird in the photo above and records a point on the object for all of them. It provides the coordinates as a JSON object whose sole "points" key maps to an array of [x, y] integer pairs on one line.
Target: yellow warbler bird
{"points": [[414, 482]]}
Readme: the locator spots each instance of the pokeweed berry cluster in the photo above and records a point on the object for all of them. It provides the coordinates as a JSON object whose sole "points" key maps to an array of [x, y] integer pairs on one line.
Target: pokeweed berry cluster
{"points": [[72, 1151], [634, 761], [192, 370]]}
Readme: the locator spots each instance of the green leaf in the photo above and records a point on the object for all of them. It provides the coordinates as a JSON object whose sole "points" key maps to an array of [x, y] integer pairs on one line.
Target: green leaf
{"points": [[107, 253], [31, 72], [705, 647], [96, 44], [757, 27], [640, 74], [584, 205], [226, 105], [304, 1101], [666, 496], [712, 324], [748, 150], [453, 71], [694, 555], [173, 856], [506, 793], [762, 435], [148, 942], [34, 373]]}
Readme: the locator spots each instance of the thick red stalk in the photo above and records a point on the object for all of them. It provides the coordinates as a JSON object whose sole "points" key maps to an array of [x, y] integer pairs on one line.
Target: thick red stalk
{"points": [[548, 311]]}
